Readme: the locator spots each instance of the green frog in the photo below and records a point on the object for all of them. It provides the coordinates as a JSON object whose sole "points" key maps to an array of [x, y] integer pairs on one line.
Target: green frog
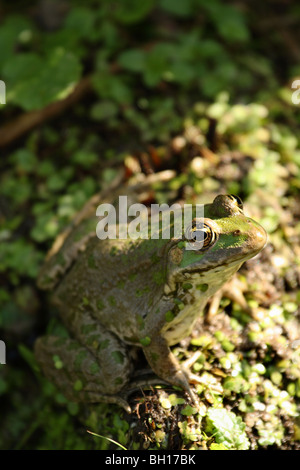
{"points": [[116, 294]]}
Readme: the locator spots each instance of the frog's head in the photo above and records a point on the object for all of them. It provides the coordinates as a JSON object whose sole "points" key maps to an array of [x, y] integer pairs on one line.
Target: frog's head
{"points": [[227, 239]]}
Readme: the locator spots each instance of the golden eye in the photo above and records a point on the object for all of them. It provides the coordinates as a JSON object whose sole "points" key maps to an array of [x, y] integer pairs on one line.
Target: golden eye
{"points": [[200, 235], [237, 200]]}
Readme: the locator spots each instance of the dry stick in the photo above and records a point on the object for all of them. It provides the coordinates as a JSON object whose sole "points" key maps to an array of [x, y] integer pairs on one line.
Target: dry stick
{"points": [[27, 121]]}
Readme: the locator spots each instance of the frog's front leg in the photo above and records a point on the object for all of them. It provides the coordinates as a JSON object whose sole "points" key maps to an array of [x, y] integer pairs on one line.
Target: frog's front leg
{"points": [[82, 376], [166, 366]]}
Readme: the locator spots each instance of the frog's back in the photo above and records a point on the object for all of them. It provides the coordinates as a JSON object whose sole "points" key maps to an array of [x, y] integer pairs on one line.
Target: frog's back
{"points": [[64, 252], [118, 281]]}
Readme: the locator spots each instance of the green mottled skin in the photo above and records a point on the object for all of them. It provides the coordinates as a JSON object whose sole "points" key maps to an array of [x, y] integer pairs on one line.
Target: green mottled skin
{"points": [[148, 293]]}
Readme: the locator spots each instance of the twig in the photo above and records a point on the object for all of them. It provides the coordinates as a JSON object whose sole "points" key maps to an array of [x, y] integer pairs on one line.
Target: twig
{"points": [[27, 121]]}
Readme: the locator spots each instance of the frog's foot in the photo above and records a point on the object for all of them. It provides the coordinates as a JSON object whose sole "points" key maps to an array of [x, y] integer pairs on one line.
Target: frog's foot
{"points": [[234, 291], [95, 397], [146, 379], [166, 366], [184, 379], [113, 400], [193, 378], [143, 378], [75, 371]]}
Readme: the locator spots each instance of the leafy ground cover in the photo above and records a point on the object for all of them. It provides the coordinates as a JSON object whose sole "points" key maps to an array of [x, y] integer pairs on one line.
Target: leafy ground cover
{"points": [[100, 90]]}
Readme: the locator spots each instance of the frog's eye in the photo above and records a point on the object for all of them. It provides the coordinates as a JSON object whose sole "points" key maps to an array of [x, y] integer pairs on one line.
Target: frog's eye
{"points": [[201, 235], [237, 200]]}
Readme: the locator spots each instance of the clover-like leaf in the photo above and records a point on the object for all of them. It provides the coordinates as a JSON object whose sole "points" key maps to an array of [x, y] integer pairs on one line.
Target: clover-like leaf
{"points": [[227, 428]]}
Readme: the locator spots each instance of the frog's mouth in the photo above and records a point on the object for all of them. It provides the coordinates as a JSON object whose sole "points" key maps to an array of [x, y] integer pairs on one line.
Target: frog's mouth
{"points": [[231, 257], [212, 269]]}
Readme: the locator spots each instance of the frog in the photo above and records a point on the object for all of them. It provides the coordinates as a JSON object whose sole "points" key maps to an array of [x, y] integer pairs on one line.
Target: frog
{"points": [[118, 295]]}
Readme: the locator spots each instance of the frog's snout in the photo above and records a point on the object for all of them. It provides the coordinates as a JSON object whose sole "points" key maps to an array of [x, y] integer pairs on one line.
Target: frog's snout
{"points": [[259, 237]]}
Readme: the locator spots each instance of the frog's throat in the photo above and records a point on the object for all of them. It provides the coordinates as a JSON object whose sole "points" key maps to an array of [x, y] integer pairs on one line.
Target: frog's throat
{"points": [[214, 277], [191, 301]]}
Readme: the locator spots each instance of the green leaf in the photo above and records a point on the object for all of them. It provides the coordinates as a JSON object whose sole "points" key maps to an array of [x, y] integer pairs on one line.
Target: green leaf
{"points": [[24, 160], [46, 227], [85, 158], [29, 356], [81, 21], [182, 72], [20, 257], [104, 110], [215, 446], [177, 8], [236, 384], [228, 20], [231, 25], [156, 66], [33, 81], [189, 410], [132, 59], [227, 429], [112, 87], [10, 35], [132, 11]]}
